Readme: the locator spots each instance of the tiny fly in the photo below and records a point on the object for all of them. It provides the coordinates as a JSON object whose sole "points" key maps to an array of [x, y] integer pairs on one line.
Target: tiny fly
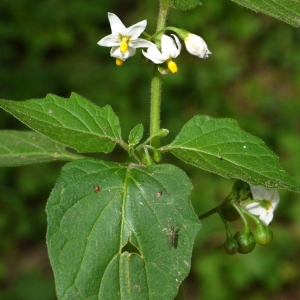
{"points": [[172, 237]]}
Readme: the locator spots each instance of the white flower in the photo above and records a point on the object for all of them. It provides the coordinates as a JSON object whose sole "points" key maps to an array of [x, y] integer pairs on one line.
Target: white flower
{"points": [[169, 50], [196, 46], [124, 41], [265, 203]]}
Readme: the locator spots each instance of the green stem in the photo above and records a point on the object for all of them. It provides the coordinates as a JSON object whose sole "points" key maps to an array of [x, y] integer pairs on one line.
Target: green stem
{"points": [[175, 29], [254, 218], [218, 208], [228, 232], [164, 8], [212, 211], [126, 147], [155, 106], [246, 225]]}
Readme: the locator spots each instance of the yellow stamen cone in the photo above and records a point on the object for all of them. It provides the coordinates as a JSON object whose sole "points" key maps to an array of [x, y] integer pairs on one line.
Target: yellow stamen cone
{"points": [[123, 47], [172, 66], [119, 62]]}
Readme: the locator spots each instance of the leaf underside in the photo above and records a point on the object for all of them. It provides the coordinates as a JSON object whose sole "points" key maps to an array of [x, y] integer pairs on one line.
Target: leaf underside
{"points": [[74, 122], [97, 207], [285, 10], [221, 147]]}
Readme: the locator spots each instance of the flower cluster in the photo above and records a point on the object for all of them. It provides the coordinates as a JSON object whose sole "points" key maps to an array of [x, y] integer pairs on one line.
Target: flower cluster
{"points": [[124, 42]]}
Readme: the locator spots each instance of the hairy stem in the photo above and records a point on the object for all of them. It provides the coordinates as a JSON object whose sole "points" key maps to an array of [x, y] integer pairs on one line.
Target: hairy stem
{"points": [[164, 8]]}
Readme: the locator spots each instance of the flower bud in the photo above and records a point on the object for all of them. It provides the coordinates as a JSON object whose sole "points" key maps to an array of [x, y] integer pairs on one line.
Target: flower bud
{"points": [[157, 156], [196, 46], [163, 132]]}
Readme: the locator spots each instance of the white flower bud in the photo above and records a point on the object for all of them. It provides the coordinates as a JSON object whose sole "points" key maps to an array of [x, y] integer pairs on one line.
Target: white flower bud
{"points": [[196, 46]]}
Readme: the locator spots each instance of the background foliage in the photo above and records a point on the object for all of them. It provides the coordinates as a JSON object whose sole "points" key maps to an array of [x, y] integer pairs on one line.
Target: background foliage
{"points": [[253, 76]]}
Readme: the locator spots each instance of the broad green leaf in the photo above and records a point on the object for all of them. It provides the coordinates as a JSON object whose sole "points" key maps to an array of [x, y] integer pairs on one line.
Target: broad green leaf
{"points": [[75, 122], [285, 10], [185, 4], [27, 147], [221, 147], [96, 208], [135, 135]]}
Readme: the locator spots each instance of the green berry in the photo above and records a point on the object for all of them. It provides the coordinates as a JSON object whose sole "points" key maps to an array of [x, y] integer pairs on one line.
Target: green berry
{"points": [[230, 213], [246, 242], [263, 235], [231, 246]]}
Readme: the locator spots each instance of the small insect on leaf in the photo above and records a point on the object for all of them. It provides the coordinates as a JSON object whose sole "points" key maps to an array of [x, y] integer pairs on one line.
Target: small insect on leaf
{"points": [[172, 237], [158, 194], [97, 188]]}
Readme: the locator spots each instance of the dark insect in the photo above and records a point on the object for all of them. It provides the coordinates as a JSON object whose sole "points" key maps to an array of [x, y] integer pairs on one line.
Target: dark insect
{"points": [[221, 158], [97, 189], [172, 237]]}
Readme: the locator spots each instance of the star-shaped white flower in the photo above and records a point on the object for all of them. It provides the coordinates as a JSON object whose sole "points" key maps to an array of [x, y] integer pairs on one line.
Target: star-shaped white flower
{"points": [[124, 41], [265, 203], [169, 50]]}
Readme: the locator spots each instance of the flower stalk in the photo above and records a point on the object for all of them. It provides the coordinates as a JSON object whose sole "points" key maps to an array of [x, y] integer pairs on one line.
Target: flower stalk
{"points": [[246, 225]]}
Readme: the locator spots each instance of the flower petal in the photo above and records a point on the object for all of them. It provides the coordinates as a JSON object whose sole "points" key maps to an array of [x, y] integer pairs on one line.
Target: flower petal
{"points": [[168, 46], [140, 43], [266, 217], [255, 208], [116, 52], [275, 198], [154, 54], [259, 193], [178, 44], [135, 30], [116, 25], [109, 41]]}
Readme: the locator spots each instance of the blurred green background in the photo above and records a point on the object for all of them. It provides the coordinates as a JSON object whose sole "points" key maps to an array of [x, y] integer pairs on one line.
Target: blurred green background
{"points": [[253, 75]]}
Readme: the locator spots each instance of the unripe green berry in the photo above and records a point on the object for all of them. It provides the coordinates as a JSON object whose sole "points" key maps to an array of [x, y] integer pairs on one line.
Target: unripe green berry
{"points": [[245, 241], [231, 246], [230, 213], [263, 235]]}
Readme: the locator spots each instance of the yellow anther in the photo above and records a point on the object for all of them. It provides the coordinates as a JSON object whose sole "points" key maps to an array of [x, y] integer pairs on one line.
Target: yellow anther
{"points": [[124, 44], [119, 62], [172, 66]]}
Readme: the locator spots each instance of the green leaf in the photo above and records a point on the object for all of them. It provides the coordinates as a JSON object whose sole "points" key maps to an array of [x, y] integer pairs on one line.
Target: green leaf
{"points": [[19, 148], [285, 10], [135, 135], [75, 122], [96, 208], [221, 147], [185, 4]]}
